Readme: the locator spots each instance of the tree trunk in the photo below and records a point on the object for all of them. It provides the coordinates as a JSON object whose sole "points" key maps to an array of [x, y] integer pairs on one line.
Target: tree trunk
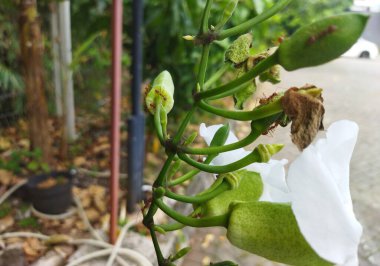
{"points": [[31, 56]]}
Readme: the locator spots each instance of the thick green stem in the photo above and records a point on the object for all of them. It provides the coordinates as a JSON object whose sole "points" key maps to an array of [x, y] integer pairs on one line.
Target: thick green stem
{"points": [[251, 74], [248, 25], [220, 220], [253, 157], [199, 198], [260, 112]]}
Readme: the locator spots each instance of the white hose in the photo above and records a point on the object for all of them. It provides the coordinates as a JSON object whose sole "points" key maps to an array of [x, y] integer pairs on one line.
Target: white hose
{"points": [[119, 242], [130, 254], [11, 190]]}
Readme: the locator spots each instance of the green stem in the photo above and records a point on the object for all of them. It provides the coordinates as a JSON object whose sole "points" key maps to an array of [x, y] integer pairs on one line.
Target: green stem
{"points": [[157, 122], [220, 220], [216, 76], [183, 178], [254, 156], [257, 113], [164, 122], [161, 177], [199, 198], [229, 147], [230, 92], [248, 25], [205, 17], [257, 128], [176, 225], [192, 173], [251, 74], [183, 125], [171, 227], [203, 65], [160, 257]]}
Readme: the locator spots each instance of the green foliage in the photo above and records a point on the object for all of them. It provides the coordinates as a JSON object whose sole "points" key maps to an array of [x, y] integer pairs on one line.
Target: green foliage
{"points": [[29, 222], [5, 209], [24, 159]]}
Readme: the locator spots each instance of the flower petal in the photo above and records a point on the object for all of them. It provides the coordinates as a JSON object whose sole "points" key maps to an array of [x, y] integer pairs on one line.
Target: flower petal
{"points": [[316, 180], [273, 175]]}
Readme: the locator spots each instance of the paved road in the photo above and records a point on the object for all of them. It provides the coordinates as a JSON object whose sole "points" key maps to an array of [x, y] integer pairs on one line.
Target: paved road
{"points": [[351, 91]]}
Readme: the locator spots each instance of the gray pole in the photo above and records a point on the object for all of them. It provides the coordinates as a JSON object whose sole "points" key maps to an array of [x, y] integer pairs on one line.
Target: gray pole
{"points": [[136, 123]]}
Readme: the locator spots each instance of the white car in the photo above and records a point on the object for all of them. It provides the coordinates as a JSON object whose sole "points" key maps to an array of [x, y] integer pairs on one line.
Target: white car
{"points": [[363, 49]]}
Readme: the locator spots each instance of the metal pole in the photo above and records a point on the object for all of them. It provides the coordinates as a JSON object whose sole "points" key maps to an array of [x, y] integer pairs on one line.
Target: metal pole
{"points": [[68, 88], [56, 58], [117, 24], [136, 123]]}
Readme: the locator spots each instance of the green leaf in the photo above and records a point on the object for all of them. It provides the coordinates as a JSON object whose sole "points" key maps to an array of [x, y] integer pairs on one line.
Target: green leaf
{"points": [[220, 136], [32, 166], [181, 253], [321, 41]]}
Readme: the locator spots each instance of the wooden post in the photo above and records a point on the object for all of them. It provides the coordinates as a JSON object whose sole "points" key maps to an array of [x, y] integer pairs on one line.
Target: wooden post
{"points": [[31, 47]]}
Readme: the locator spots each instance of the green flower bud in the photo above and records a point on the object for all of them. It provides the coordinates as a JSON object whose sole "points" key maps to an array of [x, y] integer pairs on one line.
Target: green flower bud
{"points": [[270, 230], [159, 192], [238, 52], [321, 41], [266, 151], [246, 186], [162, 91]]}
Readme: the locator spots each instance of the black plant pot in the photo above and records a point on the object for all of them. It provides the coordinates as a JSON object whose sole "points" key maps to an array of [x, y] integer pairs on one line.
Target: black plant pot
{"points": [[51, 200]]}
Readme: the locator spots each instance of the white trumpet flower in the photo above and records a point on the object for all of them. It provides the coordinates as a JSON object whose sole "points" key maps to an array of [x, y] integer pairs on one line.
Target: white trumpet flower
{"points": [[317, 188]]}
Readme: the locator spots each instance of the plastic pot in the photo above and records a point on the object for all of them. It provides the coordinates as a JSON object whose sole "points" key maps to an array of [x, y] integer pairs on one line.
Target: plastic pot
{"points": [[53, 199]]}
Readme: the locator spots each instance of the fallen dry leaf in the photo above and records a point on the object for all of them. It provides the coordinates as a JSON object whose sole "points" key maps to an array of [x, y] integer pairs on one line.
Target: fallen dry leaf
{"points": [[6, 178], [5, 144], [6, 223], [92, 214], [79, 161]]}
